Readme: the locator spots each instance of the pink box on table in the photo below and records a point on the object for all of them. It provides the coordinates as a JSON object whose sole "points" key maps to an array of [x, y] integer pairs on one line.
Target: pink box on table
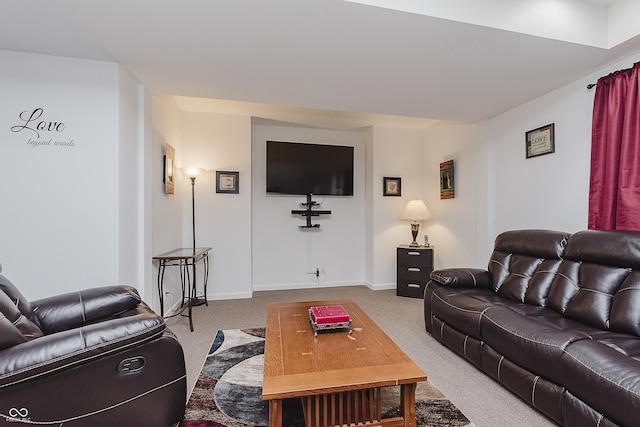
{"points": [[327, 317]]}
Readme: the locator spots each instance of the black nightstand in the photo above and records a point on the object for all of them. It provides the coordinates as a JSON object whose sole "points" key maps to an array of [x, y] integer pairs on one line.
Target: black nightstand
{"points": [[414, 265]]}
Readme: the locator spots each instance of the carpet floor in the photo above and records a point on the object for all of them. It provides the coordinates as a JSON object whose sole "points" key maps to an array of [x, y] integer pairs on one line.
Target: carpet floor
{"points": [[228, 391]]}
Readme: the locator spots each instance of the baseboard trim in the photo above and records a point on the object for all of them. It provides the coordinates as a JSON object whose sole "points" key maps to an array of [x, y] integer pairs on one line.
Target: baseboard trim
{"points": [[380, 286], [292, 286], [234, 295]]}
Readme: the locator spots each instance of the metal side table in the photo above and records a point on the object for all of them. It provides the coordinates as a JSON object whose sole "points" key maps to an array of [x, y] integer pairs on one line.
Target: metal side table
{"points": [[185, 259]]}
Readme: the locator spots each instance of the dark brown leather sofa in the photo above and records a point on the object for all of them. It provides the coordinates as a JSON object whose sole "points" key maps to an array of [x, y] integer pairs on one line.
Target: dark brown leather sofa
{"points": [[95, 358], [555, 318]]}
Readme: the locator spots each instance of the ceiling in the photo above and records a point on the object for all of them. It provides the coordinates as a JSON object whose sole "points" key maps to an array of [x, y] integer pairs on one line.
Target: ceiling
{"points": [[345, 62]]}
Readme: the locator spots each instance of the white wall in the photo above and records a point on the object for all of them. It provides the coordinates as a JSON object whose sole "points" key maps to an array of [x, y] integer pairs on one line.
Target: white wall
{"points": [[460, 222], [393, 153], [213, 142], [257, 243], [549, 191], [78, 216], [134, 143], [218, 142], [60, 215], [281, 253], [497, 188], [166, 209]]}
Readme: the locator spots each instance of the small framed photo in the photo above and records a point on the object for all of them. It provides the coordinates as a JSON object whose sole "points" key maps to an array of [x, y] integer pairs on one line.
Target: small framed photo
{"points": [[392, 186], [447, 183], [227, 182], [540, 141]]}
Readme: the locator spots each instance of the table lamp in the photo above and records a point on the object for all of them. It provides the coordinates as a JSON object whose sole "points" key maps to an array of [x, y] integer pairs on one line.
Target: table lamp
{"points": [[415, 211]]}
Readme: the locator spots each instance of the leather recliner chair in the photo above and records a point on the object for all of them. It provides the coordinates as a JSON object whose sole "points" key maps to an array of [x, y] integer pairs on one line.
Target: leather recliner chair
{"points": [[98, 357]]}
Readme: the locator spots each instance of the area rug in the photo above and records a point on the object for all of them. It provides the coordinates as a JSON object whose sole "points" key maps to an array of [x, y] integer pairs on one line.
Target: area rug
{"points": [[228, 392]]}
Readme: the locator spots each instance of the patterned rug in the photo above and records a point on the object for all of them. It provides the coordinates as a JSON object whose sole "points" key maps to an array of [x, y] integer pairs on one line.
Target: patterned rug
{"points": [[228, 392]]}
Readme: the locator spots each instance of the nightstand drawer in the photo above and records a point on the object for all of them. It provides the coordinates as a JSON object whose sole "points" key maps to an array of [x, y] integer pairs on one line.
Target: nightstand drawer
{"points": [[411, 289], [417, 257], [414, 274]]}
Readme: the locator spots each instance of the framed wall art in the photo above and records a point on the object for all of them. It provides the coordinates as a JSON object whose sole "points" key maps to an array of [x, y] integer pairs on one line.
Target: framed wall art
{"points": [[169, 168], [227, 182], [447, 182], [540, 141], [392, 186]]}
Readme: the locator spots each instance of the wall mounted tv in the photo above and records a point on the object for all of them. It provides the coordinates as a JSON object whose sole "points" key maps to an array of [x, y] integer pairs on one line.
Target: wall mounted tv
{"points": [[302, 168]]}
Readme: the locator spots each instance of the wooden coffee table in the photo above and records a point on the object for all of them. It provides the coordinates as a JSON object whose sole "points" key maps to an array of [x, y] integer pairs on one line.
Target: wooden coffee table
{"points": [[338, 375]]}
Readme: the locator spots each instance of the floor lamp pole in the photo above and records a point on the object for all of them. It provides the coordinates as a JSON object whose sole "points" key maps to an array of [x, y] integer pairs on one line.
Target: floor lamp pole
{"points": [[193, 299], [193, 210]]}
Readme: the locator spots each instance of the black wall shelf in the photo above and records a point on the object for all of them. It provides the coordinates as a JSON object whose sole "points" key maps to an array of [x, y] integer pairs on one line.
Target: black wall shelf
{"points": [[309, 212]]}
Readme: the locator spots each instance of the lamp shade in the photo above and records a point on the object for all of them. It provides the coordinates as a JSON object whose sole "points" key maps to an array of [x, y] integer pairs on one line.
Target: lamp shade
{"points": [[415, 210], [192, 172]]}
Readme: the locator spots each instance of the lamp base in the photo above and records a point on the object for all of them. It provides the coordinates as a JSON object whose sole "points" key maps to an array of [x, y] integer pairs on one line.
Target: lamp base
{"points": [[198, 301], [414, 233]]}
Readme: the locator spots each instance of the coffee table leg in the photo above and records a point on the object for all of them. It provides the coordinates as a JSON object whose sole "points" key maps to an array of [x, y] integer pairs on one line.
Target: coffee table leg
{"points": [[275, 413], [408, 404]]}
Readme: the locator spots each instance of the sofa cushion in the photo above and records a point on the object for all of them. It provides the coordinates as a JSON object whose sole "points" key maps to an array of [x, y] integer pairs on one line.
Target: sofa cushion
{"points": [[537, 243], [597, 283], [74, 309], [462, 308], [625, 315], [15, 327], [524, 263], [540, 393], [576, 413], [466, 346], [23, 305], [585, 292], [605, 374], [614, 248], [532, 337], [9, 333], [528, 278], [77, 346]]}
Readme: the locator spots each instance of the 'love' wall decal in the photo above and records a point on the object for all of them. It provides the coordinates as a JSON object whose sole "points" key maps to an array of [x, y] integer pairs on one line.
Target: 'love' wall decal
{"points": [[41, 131]]}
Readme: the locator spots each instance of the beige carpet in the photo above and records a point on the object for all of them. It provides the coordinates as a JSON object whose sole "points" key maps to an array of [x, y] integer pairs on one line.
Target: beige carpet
{"points": [[485, 402]]}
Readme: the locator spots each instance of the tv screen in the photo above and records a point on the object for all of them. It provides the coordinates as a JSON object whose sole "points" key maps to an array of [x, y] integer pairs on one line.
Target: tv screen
{"points": [[301, 168]]}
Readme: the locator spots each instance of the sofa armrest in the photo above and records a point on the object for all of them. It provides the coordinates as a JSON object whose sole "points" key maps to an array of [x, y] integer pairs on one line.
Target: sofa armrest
{"points": [[66, 349], [462, 277], [71, 310]]}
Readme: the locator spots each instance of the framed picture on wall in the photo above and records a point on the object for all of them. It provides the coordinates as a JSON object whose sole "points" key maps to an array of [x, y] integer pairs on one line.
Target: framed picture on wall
{"points": [[392, 186], [447, 183], [540, 141], [169, 168], [227, 182]]}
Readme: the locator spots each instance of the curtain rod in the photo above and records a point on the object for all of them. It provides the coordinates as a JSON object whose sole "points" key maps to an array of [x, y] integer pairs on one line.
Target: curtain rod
{"points": [[592, 85]]}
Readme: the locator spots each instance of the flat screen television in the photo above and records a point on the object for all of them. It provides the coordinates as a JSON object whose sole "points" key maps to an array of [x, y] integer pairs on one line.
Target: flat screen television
{"points": [[303, 168]]}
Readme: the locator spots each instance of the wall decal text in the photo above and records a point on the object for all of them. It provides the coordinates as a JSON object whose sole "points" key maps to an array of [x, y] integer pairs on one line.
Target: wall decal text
{"points": [[33, 121]]}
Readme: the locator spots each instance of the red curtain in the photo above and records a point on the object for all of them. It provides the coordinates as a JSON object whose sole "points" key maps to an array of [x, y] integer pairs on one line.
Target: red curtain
{"points": [[614, 194]]}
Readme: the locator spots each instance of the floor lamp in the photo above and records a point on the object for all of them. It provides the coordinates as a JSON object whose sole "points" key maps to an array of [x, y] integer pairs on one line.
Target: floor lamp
{"points": [[193, 173]]}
